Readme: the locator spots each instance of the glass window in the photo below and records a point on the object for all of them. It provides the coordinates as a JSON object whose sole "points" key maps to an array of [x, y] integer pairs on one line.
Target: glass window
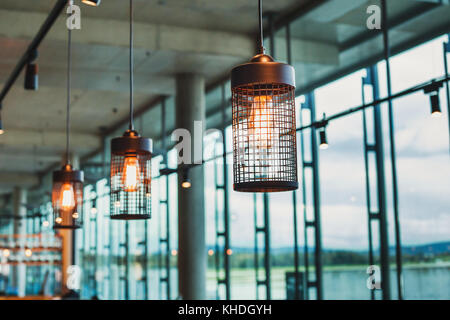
{"points": [[423, 173]]}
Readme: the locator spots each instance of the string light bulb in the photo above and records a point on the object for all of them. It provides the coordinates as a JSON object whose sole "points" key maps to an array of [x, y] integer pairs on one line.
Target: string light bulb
{"points": [[261, 122], [67, 197], [131, 173]]}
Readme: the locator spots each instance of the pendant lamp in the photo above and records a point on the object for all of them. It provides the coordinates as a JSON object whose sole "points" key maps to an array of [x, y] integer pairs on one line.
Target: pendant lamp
{"points": [[264, 128], [131, 155], [67, 192]]}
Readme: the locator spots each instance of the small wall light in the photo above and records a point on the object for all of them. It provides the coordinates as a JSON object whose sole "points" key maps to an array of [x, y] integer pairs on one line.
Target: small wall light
{"points": [[31, 77], [31, 73], [93, 3], [435, 105], [323, 139], [323, 142], [186, 183]]}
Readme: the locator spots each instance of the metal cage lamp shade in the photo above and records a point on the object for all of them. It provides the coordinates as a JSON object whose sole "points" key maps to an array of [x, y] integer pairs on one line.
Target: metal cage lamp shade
{"points": [[264, 129], [67, 198], [131, 177]]}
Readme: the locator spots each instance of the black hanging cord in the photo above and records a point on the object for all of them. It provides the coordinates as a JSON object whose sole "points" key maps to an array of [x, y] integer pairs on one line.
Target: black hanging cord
{"points": [[261, 36], [131, 68], [69, 78]]}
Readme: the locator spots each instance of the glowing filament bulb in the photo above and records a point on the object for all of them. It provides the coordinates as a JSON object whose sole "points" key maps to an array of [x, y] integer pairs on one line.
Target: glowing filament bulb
{"points": [[67, 200], [130, 174], [261, 122]]}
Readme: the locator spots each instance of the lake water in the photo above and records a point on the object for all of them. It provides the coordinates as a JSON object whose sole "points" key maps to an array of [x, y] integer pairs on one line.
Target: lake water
{"points": [[420, 282], [348, 283]]}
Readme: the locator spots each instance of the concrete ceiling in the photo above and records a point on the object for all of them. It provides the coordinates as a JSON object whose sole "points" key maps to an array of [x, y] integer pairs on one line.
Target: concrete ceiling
{"points": [[171, 36]]}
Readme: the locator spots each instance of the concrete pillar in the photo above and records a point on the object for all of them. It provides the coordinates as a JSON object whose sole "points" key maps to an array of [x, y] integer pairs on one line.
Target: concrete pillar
{"points": [[75, 161], [20, 228], [190, 107]]}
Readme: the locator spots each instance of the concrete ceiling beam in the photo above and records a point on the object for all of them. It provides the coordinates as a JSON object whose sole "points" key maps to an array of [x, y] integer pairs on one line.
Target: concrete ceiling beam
{"points": [[95, 80], [113, 35], [18, 179], [22, 25], [52, 140]]}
